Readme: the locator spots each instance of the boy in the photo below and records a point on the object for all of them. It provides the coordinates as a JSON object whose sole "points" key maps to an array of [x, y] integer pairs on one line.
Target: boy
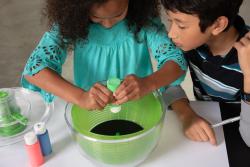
{"points": [[216, 42]]}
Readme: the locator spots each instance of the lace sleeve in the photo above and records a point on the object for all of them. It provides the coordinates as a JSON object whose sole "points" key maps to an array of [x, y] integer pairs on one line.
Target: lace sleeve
{"points": [[164, 50], [48, 54]]}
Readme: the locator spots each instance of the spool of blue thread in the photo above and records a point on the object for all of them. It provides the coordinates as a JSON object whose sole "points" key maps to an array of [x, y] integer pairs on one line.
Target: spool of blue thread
{"points": [[43, 137]]}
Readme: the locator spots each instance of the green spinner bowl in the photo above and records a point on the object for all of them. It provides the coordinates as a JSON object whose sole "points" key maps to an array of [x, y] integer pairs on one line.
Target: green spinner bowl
{"points": [[118, 150]]}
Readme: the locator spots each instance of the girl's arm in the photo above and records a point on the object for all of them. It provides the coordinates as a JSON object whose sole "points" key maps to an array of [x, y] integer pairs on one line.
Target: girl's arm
{"points": [[48, 56], [165, 76], [171, 66], [44, 67], [134, 87], [48, 80]]}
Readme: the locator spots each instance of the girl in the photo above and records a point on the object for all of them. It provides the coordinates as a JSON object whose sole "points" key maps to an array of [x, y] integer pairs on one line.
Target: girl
{"points": [[110, 38]]}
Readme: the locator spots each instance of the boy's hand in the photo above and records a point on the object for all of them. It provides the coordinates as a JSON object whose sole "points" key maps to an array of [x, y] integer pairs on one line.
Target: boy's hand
{"points": [[195, 127], [198, 129], [243, 48], [96, 98], [132, 88]]}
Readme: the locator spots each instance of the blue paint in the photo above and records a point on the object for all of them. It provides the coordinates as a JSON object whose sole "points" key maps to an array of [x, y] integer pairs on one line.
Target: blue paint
{"points": [[45, 143]]}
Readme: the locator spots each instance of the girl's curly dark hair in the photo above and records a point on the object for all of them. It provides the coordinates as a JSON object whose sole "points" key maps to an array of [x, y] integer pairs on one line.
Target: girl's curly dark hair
{"points": [[72, 16]]}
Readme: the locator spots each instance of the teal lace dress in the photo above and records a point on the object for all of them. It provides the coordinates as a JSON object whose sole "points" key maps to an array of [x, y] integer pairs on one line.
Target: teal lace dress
{"points": [[106, 53]]}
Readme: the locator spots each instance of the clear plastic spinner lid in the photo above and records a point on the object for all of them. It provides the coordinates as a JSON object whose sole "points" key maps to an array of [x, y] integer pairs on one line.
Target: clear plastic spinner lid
{"points": [[20, 109]]}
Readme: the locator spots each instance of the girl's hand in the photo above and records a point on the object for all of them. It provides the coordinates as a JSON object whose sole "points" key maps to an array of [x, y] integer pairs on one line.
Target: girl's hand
{"points": [[243, 48], [198, 129], [132, 88], [96, 98]]}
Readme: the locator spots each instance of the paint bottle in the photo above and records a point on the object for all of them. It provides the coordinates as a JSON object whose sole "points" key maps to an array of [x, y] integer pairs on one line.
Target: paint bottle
{"points": [[33, 149], [112, 85], [43, 137]]}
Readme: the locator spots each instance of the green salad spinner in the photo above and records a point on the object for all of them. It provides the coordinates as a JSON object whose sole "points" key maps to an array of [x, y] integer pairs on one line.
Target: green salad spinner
{"points": [[12, 121], [125, 138]]}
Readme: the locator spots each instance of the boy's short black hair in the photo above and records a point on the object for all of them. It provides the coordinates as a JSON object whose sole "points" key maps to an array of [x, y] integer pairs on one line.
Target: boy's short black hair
{"points": [[207, 10]]}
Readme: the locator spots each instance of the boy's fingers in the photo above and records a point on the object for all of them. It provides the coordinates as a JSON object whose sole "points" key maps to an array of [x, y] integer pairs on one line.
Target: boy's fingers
{"points": [[202, 134], [193, 135], [189, 135], [238, 46], [197, 134], [211, 135], [245, 41], [248, 36]]}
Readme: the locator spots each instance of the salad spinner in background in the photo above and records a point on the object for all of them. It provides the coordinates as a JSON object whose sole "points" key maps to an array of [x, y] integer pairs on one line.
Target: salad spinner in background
{"points": [[115, 147], [20, 109]]}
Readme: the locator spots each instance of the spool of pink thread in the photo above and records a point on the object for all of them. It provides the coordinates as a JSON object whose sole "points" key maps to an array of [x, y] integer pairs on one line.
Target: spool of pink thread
{"points": [[33, 149]]}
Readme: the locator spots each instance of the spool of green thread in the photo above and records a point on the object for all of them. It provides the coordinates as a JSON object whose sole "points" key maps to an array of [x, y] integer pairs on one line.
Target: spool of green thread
{"points": [[9, 120], [112, 85]]}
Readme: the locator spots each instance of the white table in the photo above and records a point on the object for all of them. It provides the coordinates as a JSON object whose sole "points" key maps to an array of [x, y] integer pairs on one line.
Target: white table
{"points": [[173, 150]]}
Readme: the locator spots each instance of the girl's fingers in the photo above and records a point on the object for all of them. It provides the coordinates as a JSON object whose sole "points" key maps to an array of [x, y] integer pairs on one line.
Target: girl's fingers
{"points": [[98, 103], [125, 92], [109, 95], [99, 97], [130, 96], [103, 89], [123, 85], [129, 79]]}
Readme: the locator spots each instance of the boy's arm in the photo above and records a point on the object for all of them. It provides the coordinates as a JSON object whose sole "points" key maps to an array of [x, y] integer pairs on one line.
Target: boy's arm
{"points": [[172, 94], [195, 127]]}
